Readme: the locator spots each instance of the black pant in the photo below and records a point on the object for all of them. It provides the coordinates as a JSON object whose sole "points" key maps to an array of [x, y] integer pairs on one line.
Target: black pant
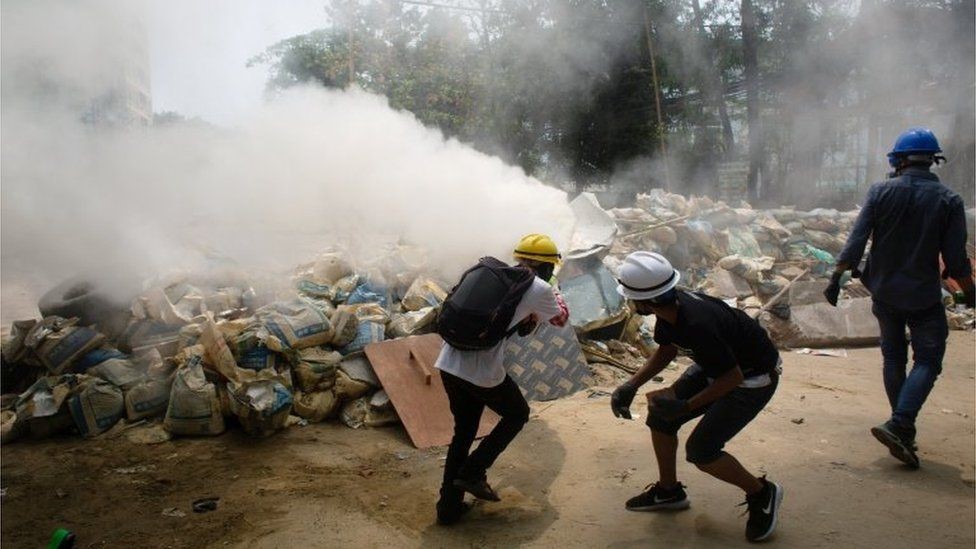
{"points": [[468, 401], [721, 420]]}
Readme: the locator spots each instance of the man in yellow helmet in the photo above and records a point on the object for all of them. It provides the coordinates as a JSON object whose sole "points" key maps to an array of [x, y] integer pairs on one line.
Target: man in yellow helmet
{"points": [[474, 375], [538, 252]]}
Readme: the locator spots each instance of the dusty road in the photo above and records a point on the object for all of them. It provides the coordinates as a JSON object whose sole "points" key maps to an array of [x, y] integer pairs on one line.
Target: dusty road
{"points": [[563, 481]]}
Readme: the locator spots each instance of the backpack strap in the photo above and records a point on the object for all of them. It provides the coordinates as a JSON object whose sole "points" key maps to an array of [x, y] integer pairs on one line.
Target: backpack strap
{"points": [[512, 330]]}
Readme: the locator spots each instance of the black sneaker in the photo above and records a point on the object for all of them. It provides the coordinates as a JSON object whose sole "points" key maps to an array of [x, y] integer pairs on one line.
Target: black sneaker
{"points": [[763, 509], [907, 435], [899, 441], [655, 498], [477, 488], [451, 505]]}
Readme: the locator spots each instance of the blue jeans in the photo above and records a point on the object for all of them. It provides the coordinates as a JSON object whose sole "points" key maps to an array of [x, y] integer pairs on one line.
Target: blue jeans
{"points": [[929, 330]]}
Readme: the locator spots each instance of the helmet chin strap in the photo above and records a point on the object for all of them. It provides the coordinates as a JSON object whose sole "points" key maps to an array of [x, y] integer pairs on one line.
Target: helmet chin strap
{"points": [[908, 161]]}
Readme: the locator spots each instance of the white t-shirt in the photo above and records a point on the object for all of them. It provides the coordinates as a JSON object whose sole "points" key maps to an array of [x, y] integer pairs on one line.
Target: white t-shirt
{"points": [[486, 368]]}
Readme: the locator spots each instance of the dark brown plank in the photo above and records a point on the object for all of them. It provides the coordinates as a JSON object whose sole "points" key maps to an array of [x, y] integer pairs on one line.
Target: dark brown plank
{"points": [[405, 367]]}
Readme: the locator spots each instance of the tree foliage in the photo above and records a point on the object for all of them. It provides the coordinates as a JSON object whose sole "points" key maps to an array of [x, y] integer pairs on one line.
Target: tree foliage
{"points": [[564, 87]]}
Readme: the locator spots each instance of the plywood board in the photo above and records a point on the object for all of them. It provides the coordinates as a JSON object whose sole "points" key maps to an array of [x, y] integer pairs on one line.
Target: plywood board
{"points": [[405, 367]]}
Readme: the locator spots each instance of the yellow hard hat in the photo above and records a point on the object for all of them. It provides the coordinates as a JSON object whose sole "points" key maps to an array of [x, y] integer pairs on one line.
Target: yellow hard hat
{"points": [[537, 247]]}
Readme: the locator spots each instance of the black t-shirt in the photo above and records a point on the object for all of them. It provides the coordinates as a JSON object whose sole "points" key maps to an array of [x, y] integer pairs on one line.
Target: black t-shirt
{"points": [[718, 337]]}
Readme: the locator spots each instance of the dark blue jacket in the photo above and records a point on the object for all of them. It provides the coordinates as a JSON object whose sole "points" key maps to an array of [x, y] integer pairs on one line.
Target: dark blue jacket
{"points": [[911, 219]]}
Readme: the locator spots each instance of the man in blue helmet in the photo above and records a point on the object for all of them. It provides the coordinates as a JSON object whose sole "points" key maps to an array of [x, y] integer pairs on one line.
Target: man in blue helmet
{"points": [[911, 218]]}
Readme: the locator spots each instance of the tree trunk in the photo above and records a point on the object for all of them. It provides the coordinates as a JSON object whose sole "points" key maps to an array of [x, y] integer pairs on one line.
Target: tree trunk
{"points": [[750, 61], [960, 148], [960, 174], [661, 131], [714, 87]]}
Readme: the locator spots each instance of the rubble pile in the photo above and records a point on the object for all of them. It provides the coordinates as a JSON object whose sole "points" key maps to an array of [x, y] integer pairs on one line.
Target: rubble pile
{"points": [[203, 358], [205, 353], [748, 257], [734, 252], [774, 264]]}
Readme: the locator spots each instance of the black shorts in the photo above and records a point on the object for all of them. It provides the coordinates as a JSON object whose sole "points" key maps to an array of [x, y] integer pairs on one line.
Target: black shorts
{"points": [[721, 420]]}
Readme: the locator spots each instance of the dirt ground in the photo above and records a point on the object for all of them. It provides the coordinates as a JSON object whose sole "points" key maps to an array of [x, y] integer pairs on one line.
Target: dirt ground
{"points": [[563, 481]]}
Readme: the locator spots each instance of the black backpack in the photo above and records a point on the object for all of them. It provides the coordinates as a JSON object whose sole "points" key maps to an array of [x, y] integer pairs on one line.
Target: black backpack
{"points": [[477, 312]]}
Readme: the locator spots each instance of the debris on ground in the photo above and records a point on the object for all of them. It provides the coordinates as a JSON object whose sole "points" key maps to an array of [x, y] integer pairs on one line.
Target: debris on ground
{"points": [[840, 353], [204, 505]]}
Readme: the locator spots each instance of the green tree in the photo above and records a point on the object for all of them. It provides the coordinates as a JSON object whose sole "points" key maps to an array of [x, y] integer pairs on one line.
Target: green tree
{"points": [[564, 88], [552, 86]]}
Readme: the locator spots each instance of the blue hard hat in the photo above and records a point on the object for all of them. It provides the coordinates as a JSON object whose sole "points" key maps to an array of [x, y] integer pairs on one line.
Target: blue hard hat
{"points": [[913, 141]]}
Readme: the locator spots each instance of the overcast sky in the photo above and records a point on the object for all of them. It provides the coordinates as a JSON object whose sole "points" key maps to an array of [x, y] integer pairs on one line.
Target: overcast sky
{"points": [[198, 51]]}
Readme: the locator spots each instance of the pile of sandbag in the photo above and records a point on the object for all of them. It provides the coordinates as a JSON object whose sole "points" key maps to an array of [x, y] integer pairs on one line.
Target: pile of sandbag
{"points": [[76, 374], [202, 356], [58, 404]]}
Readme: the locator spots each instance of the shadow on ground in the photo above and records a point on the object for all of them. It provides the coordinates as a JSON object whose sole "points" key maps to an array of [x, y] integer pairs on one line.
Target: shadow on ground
{"points": [[523, 482]]}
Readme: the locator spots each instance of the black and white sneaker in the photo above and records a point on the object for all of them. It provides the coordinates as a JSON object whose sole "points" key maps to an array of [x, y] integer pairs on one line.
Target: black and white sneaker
{"points": [[656, 498], [900, 442], [763, 510]]}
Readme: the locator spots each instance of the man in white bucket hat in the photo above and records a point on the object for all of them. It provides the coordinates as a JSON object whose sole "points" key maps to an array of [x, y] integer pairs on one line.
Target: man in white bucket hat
{"points": [[735, 374]]}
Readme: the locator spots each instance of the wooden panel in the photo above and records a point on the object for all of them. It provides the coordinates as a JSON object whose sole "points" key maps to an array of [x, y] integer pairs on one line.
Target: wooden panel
{"points": [[406, 370]]}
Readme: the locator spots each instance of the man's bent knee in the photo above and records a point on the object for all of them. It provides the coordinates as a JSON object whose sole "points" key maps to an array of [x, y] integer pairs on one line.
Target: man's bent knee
{"points": [[523, 415], [932, 369], [518, 416], [701, 454], [465, 433], [663, 426]]}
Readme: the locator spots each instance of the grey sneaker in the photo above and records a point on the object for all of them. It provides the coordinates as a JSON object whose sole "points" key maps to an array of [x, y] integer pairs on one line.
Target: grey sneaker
{"points": [[900, 443]]}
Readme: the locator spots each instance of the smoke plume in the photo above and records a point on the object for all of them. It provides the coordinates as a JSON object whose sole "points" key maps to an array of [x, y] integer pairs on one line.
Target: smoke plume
{"points": [[311, 169]]}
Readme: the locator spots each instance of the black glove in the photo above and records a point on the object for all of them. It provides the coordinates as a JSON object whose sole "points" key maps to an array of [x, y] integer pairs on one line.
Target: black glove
{"points": [[669, 408], [833, 289], [620, 400]]}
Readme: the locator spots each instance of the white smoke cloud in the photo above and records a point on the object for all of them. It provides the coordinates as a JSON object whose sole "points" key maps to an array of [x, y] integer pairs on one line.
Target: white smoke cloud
{"points": [[311, 169]]}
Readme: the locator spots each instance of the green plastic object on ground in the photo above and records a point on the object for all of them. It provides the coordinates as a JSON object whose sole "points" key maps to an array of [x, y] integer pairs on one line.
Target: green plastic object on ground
{"points": [[819, 255], [61, 539], [824, 260]]}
